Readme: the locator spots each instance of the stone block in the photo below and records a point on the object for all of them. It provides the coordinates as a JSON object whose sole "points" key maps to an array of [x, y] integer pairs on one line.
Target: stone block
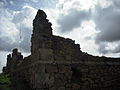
{"points": [[64, 68], [60, 80], [50, 80], [53, 88], [68, 89], [51, 68], [61, 88], [75, 86], [46, 54]]}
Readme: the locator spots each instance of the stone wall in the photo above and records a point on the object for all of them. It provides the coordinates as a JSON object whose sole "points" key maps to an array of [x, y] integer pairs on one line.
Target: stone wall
{"points": [[57, 63]]}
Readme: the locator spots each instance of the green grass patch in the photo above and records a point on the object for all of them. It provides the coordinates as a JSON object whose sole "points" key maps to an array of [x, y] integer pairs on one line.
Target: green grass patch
{"points": [[4, 82], [4, 79]]}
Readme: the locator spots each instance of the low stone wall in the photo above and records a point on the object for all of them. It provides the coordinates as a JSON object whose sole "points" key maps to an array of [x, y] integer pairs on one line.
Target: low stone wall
{"points": [[59, 76]]}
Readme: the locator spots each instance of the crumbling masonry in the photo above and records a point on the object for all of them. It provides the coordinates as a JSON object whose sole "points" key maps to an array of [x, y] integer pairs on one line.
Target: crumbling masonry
{"points": [[57, 63]]}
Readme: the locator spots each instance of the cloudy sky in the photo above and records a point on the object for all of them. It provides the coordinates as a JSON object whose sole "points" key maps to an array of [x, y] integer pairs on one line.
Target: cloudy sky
{"points": [[94, 24]]}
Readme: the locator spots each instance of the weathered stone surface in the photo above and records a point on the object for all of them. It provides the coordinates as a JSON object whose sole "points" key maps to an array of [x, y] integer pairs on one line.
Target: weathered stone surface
{"points": [[50, 80], [75, 86], [51, 68], [57, 63], [61, 88], [46, 55], [64, 68]]}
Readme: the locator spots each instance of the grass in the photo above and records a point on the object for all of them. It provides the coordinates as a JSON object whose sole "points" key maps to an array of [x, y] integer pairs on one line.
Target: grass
{"points": [[4, 79], [4, 82]]}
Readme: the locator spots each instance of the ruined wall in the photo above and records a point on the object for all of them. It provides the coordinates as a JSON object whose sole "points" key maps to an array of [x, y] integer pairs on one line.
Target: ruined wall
{"points": [[57, 63]]}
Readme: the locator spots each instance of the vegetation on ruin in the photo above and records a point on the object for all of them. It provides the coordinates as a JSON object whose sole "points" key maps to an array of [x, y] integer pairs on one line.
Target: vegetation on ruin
{"points": [[4, 82]]}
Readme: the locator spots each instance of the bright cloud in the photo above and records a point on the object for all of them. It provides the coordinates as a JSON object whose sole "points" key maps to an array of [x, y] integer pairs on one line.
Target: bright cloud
{"points": [[94, 24]]}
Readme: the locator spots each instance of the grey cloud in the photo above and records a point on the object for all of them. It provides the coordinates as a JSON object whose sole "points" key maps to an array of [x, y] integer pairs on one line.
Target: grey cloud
{"points": [[116, 3], [24, 44], [2, 59], [6, 44], [102, 48], [117, 49], [18, 4], [72, 20], [20, 22], [107, 21], [6, 27]]}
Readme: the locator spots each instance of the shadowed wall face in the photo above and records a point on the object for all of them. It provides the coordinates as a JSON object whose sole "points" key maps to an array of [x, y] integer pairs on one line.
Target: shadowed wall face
{"points": [[42, 32], [57, 63]]}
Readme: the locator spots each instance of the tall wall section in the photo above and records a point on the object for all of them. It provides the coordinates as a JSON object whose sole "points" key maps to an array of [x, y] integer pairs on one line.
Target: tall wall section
{"points": [[57, 63]]}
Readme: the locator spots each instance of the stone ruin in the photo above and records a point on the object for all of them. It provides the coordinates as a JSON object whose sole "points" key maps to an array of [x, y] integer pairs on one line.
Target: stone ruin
{"points": [[57, 63]]}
